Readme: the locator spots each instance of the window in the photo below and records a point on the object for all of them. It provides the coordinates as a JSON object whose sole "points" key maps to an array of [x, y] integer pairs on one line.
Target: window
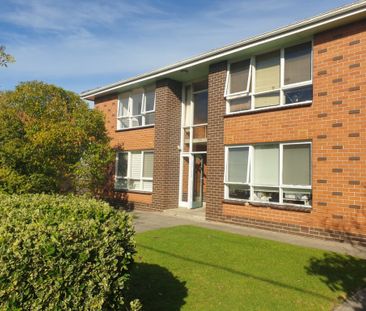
{"points": [[136, 108], [134, 170], [272, 173], [278, 78], [195, 116]]}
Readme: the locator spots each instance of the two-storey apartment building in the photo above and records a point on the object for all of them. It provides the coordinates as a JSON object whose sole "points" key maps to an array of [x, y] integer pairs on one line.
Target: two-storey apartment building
{"points": [[268, 132]]}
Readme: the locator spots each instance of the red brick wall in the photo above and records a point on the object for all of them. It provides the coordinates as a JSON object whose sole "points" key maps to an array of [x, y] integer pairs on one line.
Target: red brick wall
{"points": [[167, 138], [336, 125], [127, 140], [215, 140]]}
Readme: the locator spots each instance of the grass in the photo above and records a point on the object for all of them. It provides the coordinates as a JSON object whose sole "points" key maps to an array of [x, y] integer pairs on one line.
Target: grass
{"points": [[192, 268]]}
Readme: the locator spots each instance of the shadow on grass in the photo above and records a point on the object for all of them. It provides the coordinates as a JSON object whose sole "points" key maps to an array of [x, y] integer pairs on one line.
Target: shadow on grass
{"points": [[339, 272], [157, 288], [235, 272]]}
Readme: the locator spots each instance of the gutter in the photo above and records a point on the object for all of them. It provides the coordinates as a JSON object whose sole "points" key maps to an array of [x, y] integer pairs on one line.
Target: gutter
{"points": [[308, 24]]}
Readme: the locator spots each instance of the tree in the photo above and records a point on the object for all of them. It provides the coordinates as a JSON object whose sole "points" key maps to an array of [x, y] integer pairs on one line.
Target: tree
{"points": [[51, 141], [5, 58]]}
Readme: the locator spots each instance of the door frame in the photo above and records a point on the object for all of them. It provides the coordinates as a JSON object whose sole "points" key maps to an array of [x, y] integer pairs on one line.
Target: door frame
{"points": [[188, 154]]}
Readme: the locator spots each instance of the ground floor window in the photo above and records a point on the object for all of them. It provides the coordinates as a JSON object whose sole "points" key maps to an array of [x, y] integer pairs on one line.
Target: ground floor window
{"points": [[134, 170], [272, 173]]}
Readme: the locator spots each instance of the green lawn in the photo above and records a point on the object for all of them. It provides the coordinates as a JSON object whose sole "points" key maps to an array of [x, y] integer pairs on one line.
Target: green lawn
{"points": [[191, 268]]}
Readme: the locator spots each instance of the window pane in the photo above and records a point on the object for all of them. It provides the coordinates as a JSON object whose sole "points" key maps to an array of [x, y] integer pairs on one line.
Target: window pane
{"points": [[296, 164], [150, 118], [239, 73], [121, 183], [200, 108], [136, 164], [150, 100], [298, 63], [148, 164], [267, 75], [266, 165], [266, 194], [134, 185], [200, 86], [299, 95], [147, 185], [239, 192], [136, 103], [272, 99], [239, 104], [238, 164], [123, 107], [297, 196], [122, 160], [124, 123], [136, 121]]}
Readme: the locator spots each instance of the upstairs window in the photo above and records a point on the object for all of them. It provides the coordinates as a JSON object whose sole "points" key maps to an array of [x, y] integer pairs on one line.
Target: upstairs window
{"points": [[278, 78], [136, 108]]}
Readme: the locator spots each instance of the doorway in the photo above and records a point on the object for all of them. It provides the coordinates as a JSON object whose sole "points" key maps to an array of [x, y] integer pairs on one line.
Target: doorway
{"points": [[193, 146]]}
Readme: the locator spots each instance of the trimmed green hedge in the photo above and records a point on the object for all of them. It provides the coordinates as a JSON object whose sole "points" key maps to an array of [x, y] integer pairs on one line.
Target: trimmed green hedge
{"points": [[63, 253]]}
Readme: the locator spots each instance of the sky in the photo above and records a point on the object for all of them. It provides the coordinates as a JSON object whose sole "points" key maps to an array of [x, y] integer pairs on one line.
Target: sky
{"points": [[83, 44]]}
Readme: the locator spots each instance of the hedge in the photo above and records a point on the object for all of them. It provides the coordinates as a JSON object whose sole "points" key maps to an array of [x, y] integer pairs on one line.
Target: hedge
{"points": [[63, 253]]}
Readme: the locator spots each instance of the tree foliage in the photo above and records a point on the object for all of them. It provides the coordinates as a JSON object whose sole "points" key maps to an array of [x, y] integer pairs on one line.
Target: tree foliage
{"points": [[50, 141], [5, 58]]}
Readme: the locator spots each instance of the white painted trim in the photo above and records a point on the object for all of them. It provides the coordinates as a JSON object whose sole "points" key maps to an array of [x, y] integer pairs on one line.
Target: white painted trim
{"points": [[293, 29]]}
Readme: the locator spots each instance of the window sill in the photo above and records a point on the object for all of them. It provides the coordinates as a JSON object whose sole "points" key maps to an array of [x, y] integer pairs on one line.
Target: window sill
{"points": [[133, 191], [135, 128], [286, 207], [269, 109]]}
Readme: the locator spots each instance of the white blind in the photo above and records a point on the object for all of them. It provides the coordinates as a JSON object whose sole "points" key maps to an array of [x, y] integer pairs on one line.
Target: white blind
{"points": [[267, 100], [266, 165], [150, 100], [238, 164], [136, 165], [123, 106], [267, 72], [148, 164], [296, 164], [298, 63], [136, 103]]}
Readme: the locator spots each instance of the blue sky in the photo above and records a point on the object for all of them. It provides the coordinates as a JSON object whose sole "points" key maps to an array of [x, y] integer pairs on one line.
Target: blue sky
{"points": [[79, 44]]}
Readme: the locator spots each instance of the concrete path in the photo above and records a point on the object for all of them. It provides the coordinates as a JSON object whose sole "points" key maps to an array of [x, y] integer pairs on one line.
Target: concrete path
{"points": [[145, 221]]}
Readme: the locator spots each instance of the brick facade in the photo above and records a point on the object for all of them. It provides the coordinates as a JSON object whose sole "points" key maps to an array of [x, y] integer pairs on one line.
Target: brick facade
{"points": [[167, 139], [334, 123], [215, 140], [127, 140]]}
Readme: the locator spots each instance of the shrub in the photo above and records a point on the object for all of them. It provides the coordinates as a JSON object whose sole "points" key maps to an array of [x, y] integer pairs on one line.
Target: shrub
{"points": [[62, 253]]}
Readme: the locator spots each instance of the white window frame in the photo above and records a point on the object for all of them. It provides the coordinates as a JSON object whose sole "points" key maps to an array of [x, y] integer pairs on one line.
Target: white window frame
{"points": [[190, 126], [250, 92], [143, 111], [250, 172], [129, 177]]}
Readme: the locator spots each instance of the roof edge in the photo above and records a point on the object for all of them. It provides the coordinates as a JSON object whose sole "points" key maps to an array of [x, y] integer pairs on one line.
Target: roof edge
{"points": [[313, 22]]}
